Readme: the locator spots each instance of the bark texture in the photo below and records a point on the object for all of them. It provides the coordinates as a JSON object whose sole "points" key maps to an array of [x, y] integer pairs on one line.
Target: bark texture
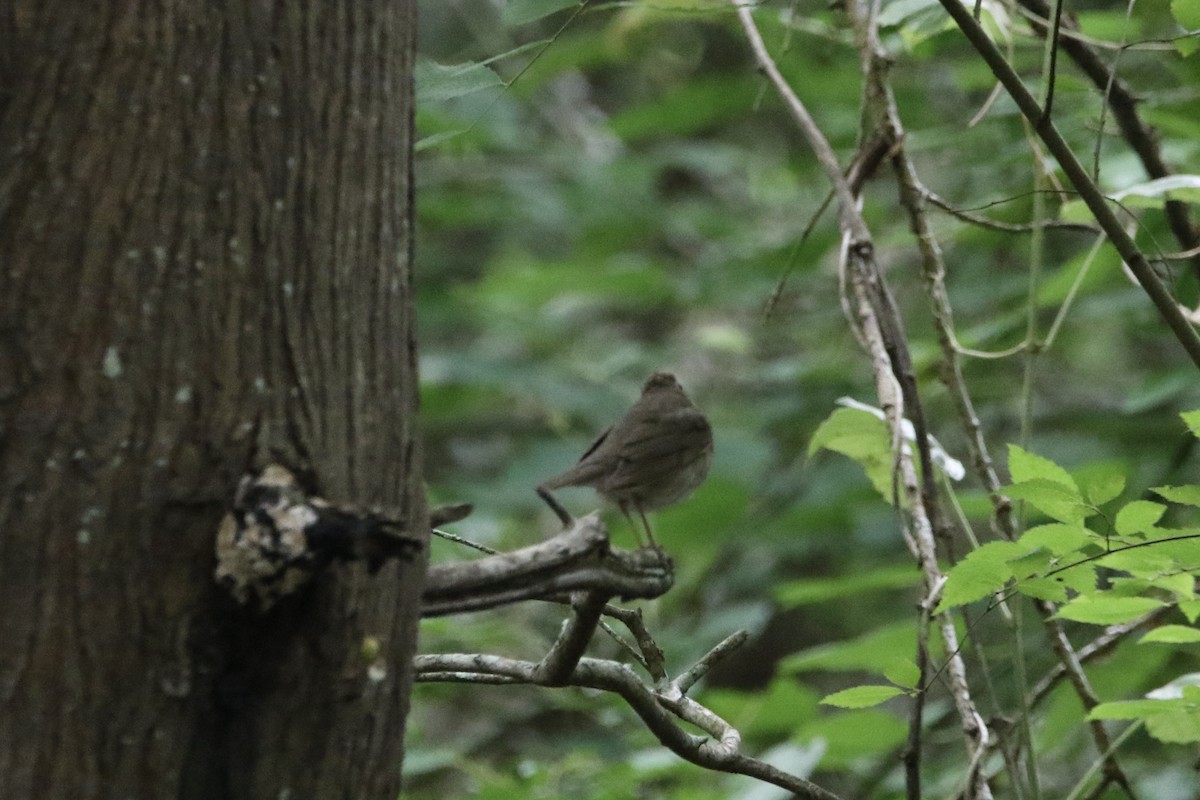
{"points": [[205, 216]]}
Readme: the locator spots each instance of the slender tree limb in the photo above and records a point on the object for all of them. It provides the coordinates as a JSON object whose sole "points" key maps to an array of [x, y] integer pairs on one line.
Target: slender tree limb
{"points": [[1123, 103], [1102, 644], [658, 710], [564, 654], [879, 329], [1096, 202], [689, 677], [995, 225]]}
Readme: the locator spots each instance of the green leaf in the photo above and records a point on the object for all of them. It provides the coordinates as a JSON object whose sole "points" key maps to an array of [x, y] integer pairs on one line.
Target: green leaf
{"points": [[1025, 466], [1190, 609], [851, 585], [873, 651], [774, 712], [851, 432], [1043, 589], [984, 571], [437, 82], [1192, 420], [1101, 609], [1134, 709], [1053, 499], [861, 696], [850, 735], [1178, 727], [1034, 563], [520, 12], [1188, 494], [1172, 634], [862, 437], [1139, 516], [903, 672], [1057, 537], [1187, 13], [1101, 482]]}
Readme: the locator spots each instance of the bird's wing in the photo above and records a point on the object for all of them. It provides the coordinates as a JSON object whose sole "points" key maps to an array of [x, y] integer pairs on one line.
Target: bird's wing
{"points": [[599, 440], [655, 446], [585, 471]]}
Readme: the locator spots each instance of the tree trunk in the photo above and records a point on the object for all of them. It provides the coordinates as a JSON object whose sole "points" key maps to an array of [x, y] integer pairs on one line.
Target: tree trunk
{"points": [[205, 219]]}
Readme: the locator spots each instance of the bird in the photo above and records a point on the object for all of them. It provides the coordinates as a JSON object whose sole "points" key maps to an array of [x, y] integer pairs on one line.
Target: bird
{"points": [[656, 455]]}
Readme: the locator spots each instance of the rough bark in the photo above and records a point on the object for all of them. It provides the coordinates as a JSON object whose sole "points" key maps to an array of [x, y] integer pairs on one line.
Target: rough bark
{"points": [[205, 223]]}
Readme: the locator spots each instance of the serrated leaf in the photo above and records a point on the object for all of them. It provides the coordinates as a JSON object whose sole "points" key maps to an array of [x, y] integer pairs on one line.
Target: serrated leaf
{"points": [[1186, 13], [1188, 495], [1139, 516], [1025, 466], [1053, 499], [1136, 560], [1101, 483], [1190, 610], [1043, 589], [984, 571], [872, 651], [1192, 420], [853, 584], [850, 431], [1134, 709], [1177, 727], [1101, 609], [1172, 634], [862, 437], [1057, 537], [862, 696], [903, 672], [1031, 564]]}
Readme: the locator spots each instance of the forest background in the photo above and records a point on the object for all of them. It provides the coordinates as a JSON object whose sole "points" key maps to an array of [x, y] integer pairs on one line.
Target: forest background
{"points": [[609, 189]]}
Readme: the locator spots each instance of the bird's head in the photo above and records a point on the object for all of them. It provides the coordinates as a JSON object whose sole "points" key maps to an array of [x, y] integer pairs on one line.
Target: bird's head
{"points": [[660, 380]]}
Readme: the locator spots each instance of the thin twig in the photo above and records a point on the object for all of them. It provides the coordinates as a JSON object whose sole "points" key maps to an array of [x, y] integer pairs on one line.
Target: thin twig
{"points": [[1096, 202], [1124, 105], [996, 225]]}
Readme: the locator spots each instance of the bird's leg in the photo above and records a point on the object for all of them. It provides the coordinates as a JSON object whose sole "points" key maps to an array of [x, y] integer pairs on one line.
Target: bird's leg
{"points": [[629, 518], [646, 524]]}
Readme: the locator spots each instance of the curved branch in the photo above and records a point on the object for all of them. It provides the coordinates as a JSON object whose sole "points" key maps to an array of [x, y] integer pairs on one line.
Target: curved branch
{"points": [[656, 710]]}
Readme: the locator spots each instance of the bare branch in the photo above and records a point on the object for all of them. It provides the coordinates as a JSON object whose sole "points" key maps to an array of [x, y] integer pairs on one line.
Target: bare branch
{"points": [[576, 560], [657, 711], [559, 663], [698, 670]]}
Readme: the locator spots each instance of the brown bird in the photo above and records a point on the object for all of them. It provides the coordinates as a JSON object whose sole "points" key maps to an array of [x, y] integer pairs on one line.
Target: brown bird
{"points": [[654, 456]]}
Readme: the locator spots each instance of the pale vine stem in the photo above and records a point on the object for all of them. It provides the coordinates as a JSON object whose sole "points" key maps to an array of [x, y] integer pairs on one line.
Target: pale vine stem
{"points": [[878, 327], [912, 195]]}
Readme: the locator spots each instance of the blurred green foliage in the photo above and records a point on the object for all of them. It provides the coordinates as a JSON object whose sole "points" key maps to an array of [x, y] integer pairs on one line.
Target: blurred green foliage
{"points": [[611, 189]]}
